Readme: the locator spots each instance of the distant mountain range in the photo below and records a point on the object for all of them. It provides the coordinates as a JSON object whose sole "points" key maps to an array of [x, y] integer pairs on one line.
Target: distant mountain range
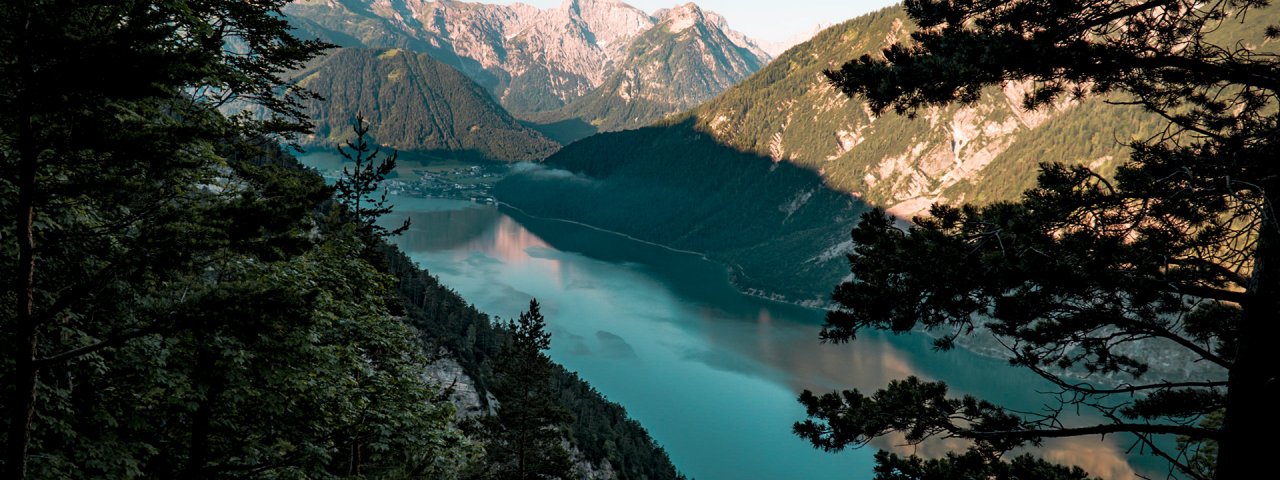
{"points": [[414, 103], [688, 57], [599, 64], [787, 116]]}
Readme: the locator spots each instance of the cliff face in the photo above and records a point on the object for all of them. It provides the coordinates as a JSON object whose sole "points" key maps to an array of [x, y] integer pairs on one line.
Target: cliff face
{"points": [[534, 60], [447, 373], [688, 57]]}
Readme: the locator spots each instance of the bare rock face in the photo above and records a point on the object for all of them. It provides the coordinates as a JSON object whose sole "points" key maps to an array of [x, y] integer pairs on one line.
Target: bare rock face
{"points": [[979, 153], [540, 60], [446, 373]]}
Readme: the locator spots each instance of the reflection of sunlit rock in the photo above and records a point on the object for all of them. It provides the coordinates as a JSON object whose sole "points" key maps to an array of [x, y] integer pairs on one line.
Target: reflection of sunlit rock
{"points": [[865, 365], [1100, 458], [868, 365]]}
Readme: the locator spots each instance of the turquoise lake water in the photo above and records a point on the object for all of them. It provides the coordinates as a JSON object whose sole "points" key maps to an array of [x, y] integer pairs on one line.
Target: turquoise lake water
{"points": [[711, 373]]}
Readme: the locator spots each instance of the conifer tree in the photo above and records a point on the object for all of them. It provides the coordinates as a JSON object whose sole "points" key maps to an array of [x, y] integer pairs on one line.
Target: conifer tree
{"points": [[523, 438], [173, 306], [1178, 252], [358, 189]]}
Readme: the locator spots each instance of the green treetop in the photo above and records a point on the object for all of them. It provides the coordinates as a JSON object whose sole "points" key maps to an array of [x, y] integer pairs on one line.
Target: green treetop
{"points": [[523, 439]]}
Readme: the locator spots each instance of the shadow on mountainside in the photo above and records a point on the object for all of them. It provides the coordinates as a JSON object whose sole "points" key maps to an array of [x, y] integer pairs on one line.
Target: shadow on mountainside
{"points": [[778, 228]]}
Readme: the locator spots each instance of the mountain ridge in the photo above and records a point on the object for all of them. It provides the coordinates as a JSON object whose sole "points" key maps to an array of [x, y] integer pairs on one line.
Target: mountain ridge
{"points": [[535, 61]]}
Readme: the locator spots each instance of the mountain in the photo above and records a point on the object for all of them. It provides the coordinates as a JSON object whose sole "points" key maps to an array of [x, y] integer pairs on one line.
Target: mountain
{"points": [[687, 58], [677, 186], [787, 116], [536, 61], [951, 154], [414, 103]]}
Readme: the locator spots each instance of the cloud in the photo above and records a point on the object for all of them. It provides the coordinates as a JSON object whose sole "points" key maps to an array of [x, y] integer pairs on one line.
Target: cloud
{"points": [[539, 171]]}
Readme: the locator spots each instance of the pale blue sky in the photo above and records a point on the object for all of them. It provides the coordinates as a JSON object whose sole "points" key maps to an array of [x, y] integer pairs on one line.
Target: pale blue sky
{"points": [[763, 20]]}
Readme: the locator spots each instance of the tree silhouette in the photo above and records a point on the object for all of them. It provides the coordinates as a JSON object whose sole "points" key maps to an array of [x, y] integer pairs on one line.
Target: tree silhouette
{"points": [[92, 172], [523, 439], [1177, 252], [358, 188]]}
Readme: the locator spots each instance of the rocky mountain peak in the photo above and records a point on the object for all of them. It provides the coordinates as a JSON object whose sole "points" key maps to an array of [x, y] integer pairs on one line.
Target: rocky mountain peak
{"points": [[611, 22], [538, 60], [683, 17], [579, 5]]}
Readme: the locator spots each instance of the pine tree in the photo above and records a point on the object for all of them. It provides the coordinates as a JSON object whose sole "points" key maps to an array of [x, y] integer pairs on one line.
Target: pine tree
{"points": [[360, 183], [523, 438], [1177, 251]]}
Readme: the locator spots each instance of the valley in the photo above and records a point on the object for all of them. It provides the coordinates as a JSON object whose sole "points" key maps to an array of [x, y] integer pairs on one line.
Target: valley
{"points": [[639, 240]]}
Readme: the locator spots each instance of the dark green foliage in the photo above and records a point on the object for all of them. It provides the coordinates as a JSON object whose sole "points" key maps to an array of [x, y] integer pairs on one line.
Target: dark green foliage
{"points": [[183, 389], [522, 439], [357, 187], [414, 103], [918, 409], [1202, 455], [972, 466], [599, 428], [1175, 253], [174, 305]]}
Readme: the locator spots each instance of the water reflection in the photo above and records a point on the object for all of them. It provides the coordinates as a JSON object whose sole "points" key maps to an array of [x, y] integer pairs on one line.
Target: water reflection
{"points": [[713, 374]]}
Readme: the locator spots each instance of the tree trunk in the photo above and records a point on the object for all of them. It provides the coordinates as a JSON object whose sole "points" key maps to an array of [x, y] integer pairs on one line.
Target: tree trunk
{"points": [[198, 449], [1254, 384], [23, 403]]}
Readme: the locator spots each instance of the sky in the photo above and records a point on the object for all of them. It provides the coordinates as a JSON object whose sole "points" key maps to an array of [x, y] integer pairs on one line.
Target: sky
{"points": [[763, 20]]}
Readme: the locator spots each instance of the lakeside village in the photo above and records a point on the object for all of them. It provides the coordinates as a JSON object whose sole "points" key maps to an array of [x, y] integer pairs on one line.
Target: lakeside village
{"points": [[471, 182]]}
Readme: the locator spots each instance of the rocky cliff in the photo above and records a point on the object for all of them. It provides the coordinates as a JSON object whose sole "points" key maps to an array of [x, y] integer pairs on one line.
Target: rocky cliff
{"points": [[688, 57]]}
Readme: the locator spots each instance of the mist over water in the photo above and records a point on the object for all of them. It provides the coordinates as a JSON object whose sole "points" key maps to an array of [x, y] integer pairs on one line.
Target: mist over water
{"points": [[711, 373]]}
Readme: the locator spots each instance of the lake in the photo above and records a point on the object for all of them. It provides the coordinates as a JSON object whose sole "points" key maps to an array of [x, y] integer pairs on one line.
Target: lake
{"points": [[711, 373]]}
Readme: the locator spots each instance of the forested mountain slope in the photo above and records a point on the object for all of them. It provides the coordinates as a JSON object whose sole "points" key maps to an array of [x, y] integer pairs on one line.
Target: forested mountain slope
{"points": [[760, 218], [600, 430], [789, 113], [414, 103]]}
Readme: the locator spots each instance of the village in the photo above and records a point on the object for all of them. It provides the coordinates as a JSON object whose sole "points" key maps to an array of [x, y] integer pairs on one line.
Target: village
{"points": [[470, 182]]}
